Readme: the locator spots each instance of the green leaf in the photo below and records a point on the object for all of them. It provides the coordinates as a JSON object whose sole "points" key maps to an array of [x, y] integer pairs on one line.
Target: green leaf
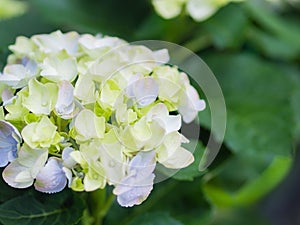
{"points": [[175, 30], [228, 26], [7, 192], [26, 25], [237, 216], [61, 208], [251, 190], [155, 218], [261, 127], [94, 16], [258, 96], [272, 46], [286, 31]]}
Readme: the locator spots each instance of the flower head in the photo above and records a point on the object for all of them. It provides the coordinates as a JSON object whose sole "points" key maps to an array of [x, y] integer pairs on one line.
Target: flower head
{"points": [[83, 112]]}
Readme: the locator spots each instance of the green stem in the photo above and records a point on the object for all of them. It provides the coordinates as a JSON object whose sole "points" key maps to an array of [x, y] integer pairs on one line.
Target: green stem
{"points": [[99, 205], [198, 43], [58, 122], [109, 201]]}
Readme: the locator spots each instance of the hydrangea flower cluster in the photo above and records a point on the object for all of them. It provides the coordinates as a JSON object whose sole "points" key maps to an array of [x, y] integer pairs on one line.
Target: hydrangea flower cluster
{"points": [[199, 10], [88, 111]]}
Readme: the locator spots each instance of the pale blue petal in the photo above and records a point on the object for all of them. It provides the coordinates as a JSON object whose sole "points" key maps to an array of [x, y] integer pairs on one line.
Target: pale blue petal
{"points": [[11, 155], [137, 194], [142, 165], [30, 65], [9, 140], [7, 96], [3, 158], [145, 91], [65, 100], [51, 178], [137, 185]]}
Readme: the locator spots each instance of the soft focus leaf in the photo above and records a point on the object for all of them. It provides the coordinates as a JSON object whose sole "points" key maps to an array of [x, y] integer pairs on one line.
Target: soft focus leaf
{"points": [[94, 16], [11, 8], [237, 216], [28, 24], [156, 218], [62, 208], [258, 99], [286, 32], [271, 45], [250, 190], [228, 27], [7, 192]]}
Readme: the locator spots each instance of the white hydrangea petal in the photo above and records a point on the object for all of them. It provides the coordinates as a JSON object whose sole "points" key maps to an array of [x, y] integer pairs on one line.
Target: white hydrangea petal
{"points": [[51, 178], [17, 175], [161, 56], [201, 9], [158, 133], [40, 134], [42, 97], [89, 126], [172, 141], [57, 41], [85, 89], [110, 94], [141, 130], [190, 103], [21, 172], [22, 46], [17, 75], [69, 176], [56, 70], [95, 177], [171, 123], [181, 158], [168, 9], [193, 97], [160, 112], [105, 67], [124, 115], [112, 161], [33, 159], [97, 46], [68, 161]]}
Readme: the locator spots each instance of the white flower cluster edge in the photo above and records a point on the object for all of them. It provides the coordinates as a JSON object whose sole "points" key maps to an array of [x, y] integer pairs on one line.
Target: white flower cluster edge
{"points": [[199, 10]]}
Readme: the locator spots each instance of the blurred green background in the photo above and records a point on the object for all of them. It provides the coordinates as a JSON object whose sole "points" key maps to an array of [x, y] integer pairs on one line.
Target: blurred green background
{"points": [[253, 48]]}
